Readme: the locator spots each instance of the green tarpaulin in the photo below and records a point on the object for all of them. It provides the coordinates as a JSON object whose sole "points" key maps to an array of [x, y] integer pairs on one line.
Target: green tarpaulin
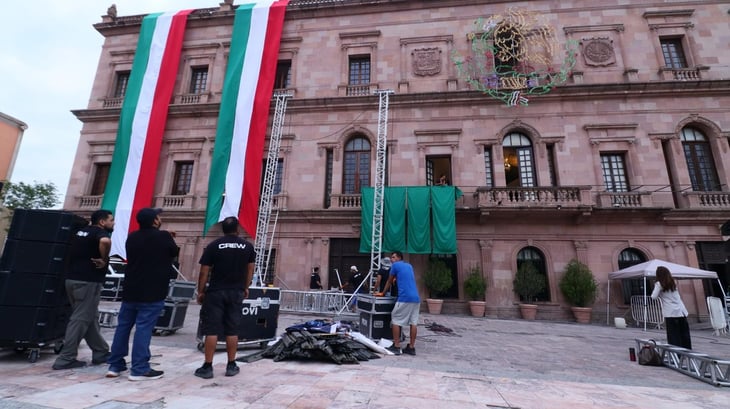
{"points": [[416, 220]]}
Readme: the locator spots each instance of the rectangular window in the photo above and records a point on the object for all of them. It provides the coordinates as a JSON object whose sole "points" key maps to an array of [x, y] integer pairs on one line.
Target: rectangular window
{"points": [[198, 79], [359, 70], [329, 166], [489, 175], [673, 53], [283, 74], [101, 174], [183, 178], [438, 170], [120, 86], [277, 176], [614, 172]]}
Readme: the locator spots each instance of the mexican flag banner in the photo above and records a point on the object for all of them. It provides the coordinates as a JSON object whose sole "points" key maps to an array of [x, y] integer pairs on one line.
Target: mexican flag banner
{"points": [[142, 121], [235, 174]]}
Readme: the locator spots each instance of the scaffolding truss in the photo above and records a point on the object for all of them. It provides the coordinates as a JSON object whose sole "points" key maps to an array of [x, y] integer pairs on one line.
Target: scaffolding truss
{"points": [[264, 229]]}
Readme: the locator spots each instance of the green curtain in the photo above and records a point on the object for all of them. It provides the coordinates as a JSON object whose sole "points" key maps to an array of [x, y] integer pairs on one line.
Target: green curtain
{"points": [[443, 214], [366, 219], [394, 220], [419, 229]]}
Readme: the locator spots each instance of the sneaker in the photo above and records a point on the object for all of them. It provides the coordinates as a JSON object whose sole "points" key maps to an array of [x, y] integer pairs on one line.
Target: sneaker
{"points": [[394, 349], [101, 360], [111, 373], [150, 375], [231, 370], [206, 372], [408, 350], [69, 365]]}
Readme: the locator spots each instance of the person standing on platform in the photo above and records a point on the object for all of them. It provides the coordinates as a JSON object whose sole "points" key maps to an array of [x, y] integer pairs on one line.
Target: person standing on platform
{"points": [[150, 254], [315, 282], [406, 309], [675, 313], [87, 261], [229, 262]]}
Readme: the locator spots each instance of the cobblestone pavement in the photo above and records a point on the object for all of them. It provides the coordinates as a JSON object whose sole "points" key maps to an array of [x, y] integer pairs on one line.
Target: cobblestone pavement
{"points": [[484, 363]]}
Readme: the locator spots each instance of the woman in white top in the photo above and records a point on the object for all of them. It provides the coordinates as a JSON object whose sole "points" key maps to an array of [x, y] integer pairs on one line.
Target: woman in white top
{"points": [[675, 313]]}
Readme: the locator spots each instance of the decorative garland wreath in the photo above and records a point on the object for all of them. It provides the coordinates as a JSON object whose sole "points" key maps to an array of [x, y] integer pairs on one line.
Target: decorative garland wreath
{"points": [[512, 57]]}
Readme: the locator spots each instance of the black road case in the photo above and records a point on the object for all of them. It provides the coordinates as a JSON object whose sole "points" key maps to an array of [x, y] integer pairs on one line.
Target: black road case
{"points": [[259, 318], [172, 317]]}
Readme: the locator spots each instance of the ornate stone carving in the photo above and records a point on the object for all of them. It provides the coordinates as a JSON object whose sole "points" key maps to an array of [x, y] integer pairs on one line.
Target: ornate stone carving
{"points": [[598, 51], [426, 61]]}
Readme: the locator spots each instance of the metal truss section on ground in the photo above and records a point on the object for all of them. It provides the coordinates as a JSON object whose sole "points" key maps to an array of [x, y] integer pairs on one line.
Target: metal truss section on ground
{"points": [[700, 366], [328, 302]]}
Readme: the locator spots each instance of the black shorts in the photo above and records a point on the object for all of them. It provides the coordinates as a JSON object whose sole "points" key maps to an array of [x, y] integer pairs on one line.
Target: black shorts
{"points": [[220, 313]]}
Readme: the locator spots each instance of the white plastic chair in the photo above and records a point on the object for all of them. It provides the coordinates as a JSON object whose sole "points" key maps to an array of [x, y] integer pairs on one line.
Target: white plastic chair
{"points": [[717, 315]]}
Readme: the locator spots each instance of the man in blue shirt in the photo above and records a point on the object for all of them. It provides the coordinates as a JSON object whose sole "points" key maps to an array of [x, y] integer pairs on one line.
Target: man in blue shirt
{"points": [[407, 305]]}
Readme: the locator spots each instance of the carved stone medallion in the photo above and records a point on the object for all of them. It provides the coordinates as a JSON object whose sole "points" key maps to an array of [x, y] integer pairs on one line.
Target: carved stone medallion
{"points": [[598, 52], [426, 61]]}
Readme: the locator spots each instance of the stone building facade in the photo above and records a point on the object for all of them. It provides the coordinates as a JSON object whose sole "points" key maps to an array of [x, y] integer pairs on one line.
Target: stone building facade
{"points": [[626, 161]]}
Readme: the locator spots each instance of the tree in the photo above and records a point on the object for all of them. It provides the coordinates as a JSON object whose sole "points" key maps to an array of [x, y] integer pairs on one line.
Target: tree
{"points": [[29, 196]]}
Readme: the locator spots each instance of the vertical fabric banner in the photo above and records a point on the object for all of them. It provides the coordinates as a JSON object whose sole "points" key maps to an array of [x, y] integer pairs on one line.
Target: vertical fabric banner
{"points": [[367, 197], [419, 222], [443, 215], [235, 174], [142, 120], [394, 220]]}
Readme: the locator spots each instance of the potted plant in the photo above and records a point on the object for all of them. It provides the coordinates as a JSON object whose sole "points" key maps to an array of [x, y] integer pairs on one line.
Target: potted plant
{"points": [[528, 283], [475, 287], [579, 288], [437, 279]]}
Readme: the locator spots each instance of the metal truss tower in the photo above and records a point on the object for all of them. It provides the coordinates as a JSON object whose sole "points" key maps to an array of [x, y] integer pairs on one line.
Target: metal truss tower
{"points": [[267, 192]]}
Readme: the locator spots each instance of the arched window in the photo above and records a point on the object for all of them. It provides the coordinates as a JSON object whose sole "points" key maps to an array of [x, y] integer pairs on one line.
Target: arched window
{"points": [[519, 169], [535, 256], [701, 166], [356, 167], [632, 286]]}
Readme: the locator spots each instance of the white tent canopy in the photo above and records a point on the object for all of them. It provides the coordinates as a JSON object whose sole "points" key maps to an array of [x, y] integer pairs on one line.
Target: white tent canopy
{"points": [[648, 270]]}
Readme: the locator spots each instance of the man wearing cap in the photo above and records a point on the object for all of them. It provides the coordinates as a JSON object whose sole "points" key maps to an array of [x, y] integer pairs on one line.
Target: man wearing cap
{"points": [[150, 254], [356, 278]]}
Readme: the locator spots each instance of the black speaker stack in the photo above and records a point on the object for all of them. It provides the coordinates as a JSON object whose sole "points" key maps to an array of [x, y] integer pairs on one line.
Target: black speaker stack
{"points": [[34, 309]]}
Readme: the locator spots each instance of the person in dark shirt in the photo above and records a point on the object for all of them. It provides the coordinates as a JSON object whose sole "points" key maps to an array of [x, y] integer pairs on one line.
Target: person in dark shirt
{"points": [[315, 282], [86, 268], [150, 254], [227, 267]]}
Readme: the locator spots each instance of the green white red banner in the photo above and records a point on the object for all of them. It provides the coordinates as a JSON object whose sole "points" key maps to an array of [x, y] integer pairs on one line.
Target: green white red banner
{"points": [[131, 182], [235, 175]]}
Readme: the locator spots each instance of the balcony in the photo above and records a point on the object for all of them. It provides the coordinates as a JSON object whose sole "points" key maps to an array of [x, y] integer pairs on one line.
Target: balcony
{"points": [[346, 201], [115, 102], [360, 90], [90, 202], [175, 202], [186, 99], [635, 199], [682, 74], [712, 200], [546, 197]]}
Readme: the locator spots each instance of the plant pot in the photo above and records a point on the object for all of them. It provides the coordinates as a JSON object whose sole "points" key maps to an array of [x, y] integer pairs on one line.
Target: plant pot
{"points": [[434, 305], [582, 314], [528, 311], [477, 308]]}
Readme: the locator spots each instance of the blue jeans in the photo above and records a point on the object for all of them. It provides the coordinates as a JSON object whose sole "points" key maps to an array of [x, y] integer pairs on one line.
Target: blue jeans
{"points": [[143, 316]]}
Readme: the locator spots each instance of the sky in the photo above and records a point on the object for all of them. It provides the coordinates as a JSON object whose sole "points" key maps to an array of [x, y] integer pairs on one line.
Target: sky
{"points": [[49, 53]]}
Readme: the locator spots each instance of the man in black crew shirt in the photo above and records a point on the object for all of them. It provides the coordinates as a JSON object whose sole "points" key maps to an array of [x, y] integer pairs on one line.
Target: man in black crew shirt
{"points": [[86, 269], [150, 254], [229, 262]]}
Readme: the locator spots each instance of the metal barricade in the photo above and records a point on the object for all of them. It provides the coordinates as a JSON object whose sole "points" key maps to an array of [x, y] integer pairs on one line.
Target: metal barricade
{"points": [[313, 301], [653, 310]]}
